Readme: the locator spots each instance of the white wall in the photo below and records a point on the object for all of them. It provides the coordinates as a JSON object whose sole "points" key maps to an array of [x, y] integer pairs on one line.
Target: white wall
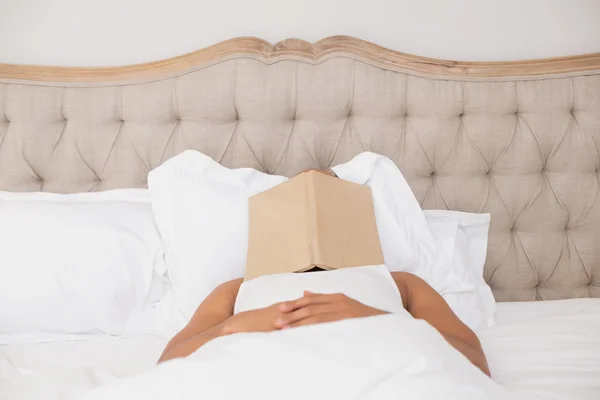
{"points": [[117, 32]]}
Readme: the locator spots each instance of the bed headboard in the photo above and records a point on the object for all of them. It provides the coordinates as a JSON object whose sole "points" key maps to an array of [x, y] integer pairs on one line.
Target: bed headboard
{"points": [[519, 140]]}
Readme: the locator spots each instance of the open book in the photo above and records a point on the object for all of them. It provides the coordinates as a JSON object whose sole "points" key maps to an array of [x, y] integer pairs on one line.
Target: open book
{"points": [[312, 220]]}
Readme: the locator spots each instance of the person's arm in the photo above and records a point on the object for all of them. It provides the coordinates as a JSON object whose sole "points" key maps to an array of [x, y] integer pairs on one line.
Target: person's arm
{"points": [[206, 323], [423, 302]]}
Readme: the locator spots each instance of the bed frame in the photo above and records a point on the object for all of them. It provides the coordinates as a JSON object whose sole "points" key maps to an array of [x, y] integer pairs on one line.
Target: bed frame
{"points": [[519, 140]]}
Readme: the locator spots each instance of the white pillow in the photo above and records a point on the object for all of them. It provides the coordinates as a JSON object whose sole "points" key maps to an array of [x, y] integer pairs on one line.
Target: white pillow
{"points": [[434, 252], [406, 242], [462, 254], [444, 231], [371, 285], [78, 263], [201, 209]]}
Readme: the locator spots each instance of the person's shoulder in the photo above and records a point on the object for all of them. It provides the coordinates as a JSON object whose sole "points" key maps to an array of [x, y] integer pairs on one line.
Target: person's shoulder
{"points": [[403, 281], [233, 284], [410, 284], [405, 278], [225, 293], [227, 289], [410, 281]]}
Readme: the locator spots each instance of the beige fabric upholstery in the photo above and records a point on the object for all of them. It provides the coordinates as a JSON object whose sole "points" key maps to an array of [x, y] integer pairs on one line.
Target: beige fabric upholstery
{"points": [[524, 150]]}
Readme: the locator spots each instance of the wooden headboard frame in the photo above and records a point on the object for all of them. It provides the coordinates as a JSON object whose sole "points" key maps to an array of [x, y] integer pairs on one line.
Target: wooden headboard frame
{"points": [[302, 50]]}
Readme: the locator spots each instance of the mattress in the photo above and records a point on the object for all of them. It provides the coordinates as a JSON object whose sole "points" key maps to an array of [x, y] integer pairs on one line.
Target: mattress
{"points": [[541, 350]]}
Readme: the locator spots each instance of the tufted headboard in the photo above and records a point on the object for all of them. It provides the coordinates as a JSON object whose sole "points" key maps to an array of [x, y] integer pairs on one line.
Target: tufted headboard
{"points": [[519, 140]]}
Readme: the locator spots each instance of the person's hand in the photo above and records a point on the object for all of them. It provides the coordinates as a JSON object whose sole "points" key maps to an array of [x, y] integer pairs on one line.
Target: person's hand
{"points": [[315, 308], [260, 320]]}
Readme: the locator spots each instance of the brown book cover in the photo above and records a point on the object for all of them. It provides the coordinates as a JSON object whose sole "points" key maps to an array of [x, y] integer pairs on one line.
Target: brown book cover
{"points": [[312, 220]]}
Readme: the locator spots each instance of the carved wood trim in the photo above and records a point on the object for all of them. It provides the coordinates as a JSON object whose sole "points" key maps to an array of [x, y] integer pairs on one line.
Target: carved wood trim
{"points": [[302, 50]]}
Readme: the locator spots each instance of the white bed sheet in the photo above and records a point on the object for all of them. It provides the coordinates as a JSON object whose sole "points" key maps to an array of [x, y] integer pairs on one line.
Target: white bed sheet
{"points": [[546, 350], [59, 370], [543, 350]]}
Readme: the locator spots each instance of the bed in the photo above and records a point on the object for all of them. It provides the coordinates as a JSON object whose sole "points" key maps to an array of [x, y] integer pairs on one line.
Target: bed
{"points": [[518, 140], [548, 350]]}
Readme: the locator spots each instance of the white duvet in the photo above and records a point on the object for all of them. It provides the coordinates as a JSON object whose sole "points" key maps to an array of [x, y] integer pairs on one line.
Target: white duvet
{"points": [[384, 357]]}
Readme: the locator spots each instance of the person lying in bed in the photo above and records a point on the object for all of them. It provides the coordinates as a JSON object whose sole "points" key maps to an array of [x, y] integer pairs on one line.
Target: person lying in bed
{"points": [[215, 317]]}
